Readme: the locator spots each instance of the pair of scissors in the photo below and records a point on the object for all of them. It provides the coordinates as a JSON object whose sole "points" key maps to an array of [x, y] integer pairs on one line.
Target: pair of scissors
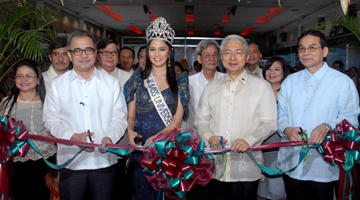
{"points": [[304, 137], [89, 135], [222, 142]]}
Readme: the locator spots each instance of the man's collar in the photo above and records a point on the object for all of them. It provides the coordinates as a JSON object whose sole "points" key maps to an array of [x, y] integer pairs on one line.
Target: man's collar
{"points": [[96, 73], [244, 78], [319, 74]]}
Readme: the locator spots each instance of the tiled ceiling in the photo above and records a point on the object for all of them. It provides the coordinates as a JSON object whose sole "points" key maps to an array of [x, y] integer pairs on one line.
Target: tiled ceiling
{"points": [[208, 15]]}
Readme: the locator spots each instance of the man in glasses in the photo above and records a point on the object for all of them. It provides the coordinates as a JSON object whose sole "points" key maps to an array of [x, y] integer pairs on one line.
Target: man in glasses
{"points": [[236, 111], [208, 56], [313, 101], [108, 57], [59, 61], [85, 105]]}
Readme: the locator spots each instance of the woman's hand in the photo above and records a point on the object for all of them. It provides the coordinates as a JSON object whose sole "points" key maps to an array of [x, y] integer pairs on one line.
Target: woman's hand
{"points": [[150, 140], [132, 135]]}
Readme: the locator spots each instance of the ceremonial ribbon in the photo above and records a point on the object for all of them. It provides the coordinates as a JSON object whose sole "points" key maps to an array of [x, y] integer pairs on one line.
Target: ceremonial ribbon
{"points": [[181, 158]]}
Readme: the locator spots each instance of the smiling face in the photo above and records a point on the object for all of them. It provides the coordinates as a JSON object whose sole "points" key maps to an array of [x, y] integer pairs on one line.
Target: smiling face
{"points": [[274, 74], [83, 62], [234, 56], [108, 62], [158, 53], [26, 79]]}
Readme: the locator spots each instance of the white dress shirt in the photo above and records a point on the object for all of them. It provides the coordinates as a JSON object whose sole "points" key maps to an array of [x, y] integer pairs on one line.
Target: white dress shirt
{"points": [[257, 72], [197, 83], [48, 76], [75, 105], [121, 75], [241, 109]]}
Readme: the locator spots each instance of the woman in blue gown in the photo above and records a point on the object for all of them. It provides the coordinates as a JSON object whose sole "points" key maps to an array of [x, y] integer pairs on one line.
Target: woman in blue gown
{"points": [[144, 121]]}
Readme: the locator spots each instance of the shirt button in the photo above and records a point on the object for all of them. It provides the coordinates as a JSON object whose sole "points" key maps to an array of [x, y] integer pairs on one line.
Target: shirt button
{"points": [[227, 131], [229, 117]]}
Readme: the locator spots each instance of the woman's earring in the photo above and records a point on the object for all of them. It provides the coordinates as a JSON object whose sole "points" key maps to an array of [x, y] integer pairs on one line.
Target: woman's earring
{"points": [[169, 62]]}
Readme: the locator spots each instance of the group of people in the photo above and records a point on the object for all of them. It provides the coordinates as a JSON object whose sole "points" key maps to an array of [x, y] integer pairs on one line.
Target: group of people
{"points": [[96, 102]]}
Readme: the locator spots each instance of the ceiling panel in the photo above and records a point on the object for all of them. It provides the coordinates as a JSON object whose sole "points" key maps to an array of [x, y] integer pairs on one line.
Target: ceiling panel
{"points": [[208, 14]]}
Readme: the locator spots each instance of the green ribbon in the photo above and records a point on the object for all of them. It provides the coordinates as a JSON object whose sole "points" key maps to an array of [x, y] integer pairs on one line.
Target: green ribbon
{"points": [[53, 166], [271, 171], [181, 136]]}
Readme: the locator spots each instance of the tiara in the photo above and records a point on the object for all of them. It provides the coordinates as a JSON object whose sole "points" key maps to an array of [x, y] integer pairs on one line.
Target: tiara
{"points": [[160, 29]]}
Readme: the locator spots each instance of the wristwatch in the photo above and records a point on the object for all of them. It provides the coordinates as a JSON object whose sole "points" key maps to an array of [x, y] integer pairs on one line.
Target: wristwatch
{"points": [[328, 126]]}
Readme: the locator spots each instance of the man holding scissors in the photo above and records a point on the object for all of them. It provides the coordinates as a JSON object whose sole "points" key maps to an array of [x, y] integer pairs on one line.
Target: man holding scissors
{"points": [[85, 105], [313, 101]]}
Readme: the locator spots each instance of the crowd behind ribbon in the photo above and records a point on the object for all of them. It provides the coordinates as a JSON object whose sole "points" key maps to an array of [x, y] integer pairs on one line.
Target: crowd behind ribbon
{"points": [[105, 98]]}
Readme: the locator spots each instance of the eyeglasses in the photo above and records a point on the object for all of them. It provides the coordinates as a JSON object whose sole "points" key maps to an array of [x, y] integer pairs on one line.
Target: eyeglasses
{"points": [[79, 52], [208, 56], [228, 53], [302, 49], [27, 76], [106, 53]]}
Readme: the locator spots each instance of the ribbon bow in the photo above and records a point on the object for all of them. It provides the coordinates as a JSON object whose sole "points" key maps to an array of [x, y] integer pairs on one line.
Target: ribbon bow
{"points": [[176, 162], [12, 143], [340, 148]]}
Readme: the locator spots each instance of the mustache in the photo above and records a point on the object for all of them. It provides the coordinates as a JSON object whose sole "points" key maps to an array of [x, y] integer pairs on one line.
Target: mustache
{"points": [[60, 63]]}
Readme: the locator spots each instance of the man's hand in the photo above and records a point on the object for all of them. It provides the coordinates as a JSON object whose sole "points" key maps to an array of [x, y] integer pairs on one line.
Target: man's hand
{"points": [[240, 145], [293, 133], [318, 134], [82, 137], [104, 141], [215, 140]]}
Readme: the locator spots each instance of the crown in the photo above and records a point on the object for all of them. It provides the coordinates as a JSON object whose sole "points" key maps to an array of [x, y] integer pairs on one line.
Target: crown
{"points": [[160, 29]]}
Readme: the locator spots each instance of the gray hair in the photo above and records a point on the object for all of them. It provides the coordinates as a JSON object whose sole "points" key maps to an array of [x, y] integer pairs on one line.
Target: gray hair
{"points": [[235, 37], [79, 33], [203, 44]]}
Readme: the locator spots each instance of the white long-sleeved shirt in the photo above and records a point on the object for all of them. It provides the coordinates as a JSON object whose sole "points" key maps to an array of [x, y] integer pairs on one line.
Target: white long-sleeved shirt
{"points": [[75, 105], [121, 75]]}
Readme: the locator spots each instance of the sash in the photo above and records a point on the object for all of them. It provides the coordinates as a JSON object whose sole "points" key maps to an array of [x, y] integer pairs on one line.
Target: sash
{"points": [[158, 100]]}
